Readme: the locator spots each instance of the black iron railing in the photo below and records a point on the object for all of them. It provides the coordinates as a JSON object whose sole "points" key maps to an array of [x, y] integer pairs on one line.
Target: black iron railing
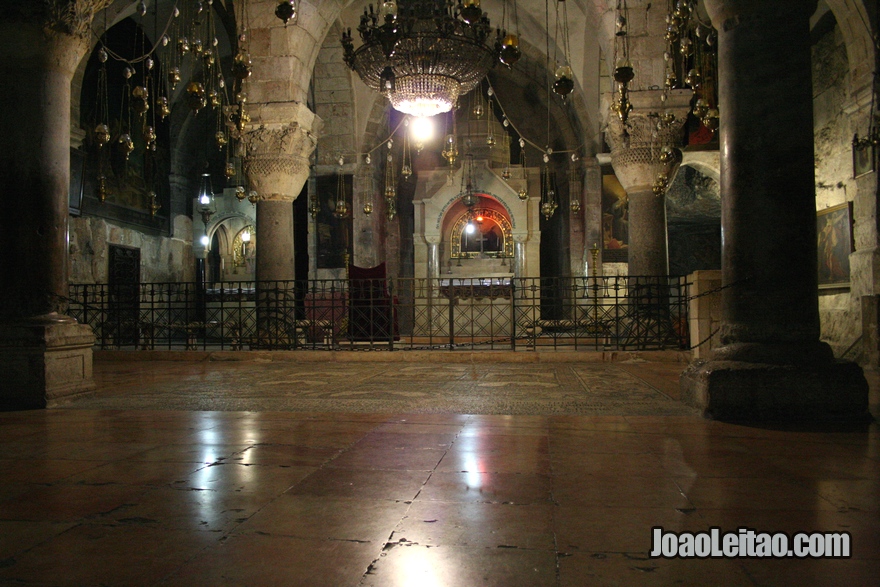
{"points": [[599, 313]]}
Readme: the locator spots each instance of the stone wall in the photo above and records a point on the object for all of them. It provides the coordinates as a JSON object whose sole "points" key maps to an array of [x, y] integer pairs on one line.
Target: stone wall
{"points": [[163, 259], [839, 311], [334, 102]]}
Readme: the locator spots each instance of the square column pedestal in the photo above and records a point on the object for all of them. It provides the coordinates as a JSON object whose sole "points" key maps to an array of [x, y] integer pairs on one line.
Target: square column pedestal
{"points": [[737, 391], [44, 363]]}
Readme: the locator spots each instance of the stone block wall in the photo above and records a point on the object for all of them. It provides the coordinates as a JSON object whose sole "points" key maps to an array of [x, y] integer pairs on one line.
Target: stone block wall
{"points": [[163, 259], [334, 102], [839, 309]]}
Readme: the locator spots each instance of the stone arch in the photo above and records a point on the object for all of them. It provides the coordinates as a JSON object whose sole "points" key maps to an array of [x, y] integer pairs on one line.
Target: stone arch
{"points": [[334, 101], [854, 19], [498, 218], [706, 162], [451, 208]]}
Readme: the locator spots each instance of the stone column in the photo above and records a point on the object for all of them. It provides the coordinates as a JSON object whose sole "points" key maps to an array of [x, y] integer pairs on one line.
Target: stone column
{"points": [[519, 254], [771, 365], [635, 156], [45, 353], [434, 268], [278, 145]]}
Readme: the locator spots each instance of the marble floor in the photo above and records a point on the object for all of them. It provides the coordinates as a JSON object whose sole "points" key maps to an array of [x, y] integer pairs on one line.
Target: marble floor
{"points": [[371, 474]]}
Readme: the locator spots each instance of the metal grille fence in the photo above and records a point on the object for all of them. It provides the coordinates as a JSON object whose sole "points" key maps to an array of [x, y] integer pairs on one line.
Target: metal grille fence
{"points": [[587, 313]]}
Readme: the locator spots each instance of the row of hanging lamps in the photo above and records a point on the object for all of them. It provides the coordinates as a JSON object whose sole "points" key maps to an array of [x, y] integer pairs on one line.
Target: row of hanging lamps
{"points": [[691, 57]]}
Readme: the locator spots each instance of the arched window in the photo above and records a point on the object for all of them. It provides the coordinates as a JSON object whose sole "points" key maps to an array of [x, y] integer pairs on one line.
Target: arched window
{"points": [[481, 233]]}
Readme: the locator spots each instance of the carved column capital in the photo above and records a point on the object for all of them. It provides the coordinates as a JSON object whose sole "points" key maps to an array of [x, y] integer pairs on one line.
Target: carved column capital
{"points": [[67, 17], [277, 148], [433, 239], [636, 145]]}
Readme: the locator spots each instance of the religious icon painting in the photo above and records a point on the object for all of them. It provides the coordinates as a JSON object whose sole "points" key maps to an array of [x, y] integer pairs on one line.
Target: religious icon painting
{"points": [[835, 244]]}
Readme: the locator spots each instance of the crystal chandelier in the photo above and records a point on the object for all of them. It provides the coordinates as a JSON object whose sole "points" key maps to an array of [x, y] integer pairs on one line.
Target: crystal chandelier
{"points": [[422, 54]]}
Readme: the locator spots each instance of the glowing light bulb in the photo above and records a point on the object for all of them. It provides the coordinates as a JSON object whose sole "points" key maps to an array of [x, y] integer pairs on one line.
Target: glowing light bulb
{"points": [[422, 129]]}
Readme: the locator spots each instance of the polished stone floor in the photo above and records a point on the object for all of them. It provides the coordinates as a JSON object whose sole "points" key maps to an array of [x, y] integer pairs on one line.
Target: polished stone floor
{"points": [[136, 485]]}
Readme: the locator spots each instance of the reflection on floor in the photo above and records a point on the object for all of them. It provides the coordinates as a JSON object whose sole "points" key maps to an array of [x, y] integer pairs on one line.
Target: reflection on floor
{"points": [[128, 495]]}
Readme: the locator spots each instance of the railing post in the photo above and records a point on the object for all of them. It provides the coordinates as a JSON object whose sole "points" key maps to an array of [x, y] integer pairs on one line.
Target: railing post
{"points": [[391, 323], [513, 313], [451, 314]]}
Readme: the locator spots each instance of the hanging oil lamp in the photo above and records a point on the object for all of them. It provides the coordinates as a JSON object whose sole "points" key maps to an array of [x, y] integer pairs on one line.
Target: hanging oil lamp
{"points": [[195, 95], [241, 65], [141, 100], [173, 77], [509, 52], [102, 134], [564, 83], [126, 145], [286, 11], [162, 107]]}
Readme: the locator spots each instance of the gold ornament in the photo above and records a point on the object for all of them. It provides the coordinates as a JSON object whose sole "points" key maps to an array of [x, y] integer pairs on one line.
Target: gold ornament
{"points": [[195, 95], [102, 135], [174, 77], [141, 100], [241, 65], [149, 134], [711, 120], [126, 145], [162, 107], [509, 52]]}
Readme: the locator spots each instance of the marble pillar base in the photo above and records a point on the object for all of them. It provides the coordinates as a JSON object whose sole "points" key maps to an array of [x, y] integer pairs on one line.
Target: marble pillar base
{"points": [[44, 363], [737, 391]]}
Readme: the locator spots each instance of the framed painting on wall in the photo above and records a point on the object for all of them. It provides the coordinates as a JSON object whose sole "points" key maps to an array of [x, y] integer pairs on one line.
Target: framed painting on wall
{"points": [[835, 244], [615, 220], [864, 156]]}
